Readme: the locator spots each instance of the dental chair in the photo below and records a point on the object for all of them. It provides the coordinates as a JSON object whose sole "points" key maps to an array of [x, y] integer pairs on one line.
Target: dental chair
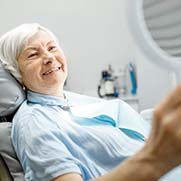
{"points": [[11, 97]]}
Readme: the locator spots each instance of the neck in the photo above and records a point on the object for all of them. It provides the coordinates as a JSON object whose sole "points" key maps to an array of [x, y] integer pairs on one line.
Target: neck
{"points": [[52, 92]]}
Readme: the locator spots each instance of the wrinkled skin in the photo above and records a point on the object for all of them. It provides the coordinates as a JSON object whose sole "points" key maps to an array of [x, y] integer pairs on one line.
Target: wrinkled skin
{"points": [[164, 142]]}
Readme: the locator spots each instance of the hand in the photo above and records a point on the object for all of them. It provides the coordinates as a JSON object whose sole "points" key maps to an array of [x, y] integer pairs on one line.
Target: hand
{"points": [[164, 143], [162, 151]]}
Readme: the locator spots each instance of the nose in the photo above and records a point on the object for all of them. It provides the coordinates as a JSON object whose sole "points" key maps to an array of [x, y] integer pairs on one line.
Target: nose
{"points": [[48, 58]]}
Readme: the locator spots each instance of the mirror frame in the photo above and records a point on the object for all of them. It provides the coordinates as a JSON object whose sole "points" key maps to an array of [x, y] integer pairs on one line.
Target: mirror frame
{"points": [[144, 40]]}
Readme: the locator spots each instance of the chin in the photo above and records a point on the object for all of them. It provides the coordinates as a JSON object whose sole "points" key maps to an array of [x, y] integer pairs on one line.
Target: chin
{"points": [[57, 81]]}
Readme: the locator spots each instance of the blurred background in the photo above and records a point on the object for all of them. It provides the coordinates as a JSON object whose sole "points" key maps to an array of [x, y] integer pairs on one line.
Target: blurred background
{"points": [[103, 57]]}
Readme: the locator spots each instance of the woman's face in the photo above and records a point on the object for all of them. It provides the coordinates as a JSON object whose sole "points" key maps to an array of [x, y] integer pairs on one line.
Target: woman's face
{"points": [[43, 65]]}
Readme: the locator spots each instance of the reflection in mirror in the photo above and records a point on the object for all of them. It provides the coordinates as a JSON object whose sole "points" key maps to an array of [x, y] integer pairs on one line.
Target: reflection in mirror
{"points": [[163, 20], [156, 27]]}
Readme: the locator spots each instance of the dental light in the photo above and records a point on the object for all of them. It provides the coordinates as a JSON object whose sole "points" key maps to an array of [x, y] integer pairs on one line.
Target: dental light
{"points": [[156, 27]]}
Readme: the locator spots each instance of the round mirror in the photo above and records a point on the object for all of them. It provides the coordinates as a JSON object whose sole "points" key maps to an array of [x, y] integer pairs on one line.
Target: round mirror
{"points": [[156, 27]]}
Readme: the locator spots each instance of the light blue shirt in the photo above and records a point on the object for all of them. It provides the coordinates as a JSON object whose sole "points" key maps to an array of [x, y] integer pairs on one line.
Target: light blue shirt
{"points": [[87, 140]]}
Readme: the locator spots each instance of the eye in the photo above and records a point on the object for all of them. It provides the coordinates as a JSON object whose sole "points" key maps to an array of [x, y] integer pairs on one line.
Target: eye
{"points": [[53, 47], [32, 55]]}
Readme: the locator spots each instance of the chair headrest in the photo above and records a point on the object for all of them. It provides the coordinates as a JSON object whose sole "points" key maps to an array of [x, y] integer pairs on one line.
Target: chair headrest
{"points": [[11, 93]]}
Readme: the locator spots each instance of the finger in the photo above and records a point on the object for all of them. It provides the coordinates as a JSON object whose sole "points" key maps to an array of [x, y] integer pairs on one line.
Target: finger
{"points": [[172, 121], [169, 103], [168, 110], [169, 128]]}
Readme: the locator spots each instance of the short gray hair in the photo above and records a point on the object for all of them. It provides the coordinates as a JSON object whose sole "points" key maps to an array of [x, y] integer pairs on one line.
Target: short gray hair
{"points": [[12, 43]]}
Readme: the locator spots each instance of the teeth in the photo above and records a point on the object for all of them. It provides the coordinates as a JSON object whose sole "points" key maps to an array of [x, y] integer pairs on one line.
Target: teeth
{"points": [[52, 70]]}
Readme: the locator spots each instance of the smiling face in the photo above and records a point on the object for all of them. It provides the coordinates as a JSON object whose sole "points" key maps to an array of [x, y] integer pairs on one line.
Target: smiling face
{"points": [[43, 65]]}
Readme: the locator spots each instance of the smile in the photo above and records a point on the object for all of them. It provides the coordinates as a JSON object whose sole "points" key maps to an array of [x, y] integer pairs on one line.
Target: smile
{"points": [[51, 70]]}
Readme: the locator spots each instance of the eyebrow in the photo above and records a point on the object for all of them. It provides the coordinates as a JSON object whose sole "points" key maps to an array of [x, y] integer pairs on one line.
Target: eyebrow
{"points": [[30, 48], [35, 47]]}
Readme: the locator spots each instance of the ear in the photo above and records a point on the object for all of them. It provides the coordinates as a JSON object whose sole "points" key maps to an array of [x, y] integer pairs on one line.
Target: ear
{"points": [[24, 88]]}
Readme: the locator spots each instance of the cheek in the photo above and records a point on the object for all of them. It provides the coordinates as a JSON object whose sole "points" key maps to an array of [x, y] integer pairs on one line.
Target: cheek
{"points": [[62, 59], [30, 72], [65, 66]]}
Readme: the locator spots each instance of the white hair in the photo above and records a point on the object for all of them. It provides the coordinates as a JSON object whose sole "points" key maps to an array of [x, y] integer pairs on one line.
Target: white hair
{"points": [[12, 43]]}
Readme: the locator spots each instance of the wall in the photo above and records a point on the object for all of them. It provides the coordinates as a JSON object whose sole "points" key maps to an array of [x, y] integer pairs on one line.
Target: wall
{"points": [[89, 32], [93, 34]]}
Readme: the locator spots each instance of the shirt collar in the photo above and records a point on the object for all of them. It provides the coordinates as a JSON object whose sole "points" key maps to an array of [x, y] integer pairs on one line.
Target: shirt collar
{"points": [[43, 99]]}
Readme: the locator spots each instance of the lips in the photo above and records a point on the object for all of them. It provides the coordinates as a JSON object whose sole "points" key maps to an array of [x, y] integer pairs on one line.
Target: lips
{"points": [[54, 69]]}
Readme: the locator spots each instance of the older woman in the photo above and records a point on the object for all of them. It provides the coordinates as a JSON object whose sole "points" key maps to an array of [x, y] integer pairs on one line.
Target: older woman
{"points": [[53, 144]]}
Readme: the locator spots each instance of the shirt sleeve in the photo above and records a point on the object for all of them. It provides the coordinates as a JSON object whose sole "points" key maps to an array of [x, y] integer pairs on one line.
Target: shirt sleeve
{"points": [[42, 150]]}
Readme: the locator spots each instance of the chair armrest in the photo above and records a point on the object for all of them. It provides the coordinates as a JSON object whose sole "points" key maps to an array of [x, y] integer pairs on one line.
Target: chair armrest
{"points": [[4, 174], [147, 114]]}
